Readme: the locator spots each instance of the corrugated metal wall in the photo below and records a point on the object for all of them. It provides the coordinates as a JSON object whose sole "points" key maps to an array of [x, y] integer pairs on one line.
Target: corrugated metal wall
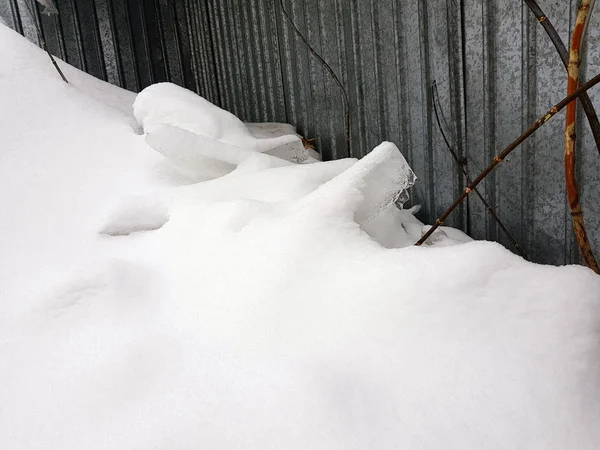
{"points": [[495, 68]]}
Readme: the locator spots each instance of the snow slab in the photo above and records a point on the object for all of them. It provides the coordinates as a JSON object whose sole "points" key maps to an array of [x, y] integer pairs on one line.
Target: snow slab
{"points": [[204, 141], [278, 307]]}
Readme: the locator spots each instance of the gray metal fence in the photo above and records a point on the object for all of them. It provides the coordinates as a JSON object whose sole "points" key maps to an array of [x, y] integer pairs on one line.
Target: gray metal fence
{"points": [[495, 68]]}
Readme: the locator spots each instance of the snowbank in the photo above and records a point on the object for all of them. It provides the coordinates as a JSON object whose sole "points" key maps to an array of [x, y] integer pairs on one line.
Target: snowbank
{"points": [[274, 307]]}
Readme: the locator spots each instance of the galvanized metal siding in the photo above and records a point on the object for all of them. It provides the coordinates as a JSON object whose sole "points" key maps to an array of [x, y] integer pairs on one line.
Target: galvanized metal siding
{"points": [[494, 66]]}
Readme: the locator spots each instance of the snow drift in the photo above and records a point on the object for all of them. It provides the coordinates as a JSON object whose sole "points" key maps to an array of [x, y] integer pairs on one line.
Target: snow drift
{"points": [[273, 306]]}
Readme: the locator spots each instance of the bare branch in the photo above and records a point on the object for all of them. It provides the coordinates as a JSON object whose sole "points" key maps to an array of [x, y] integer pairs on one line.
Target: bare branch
{"points": [[329, 69], [49, 9], [586, 103], [504, 153], [463, 168], [570, 167]]}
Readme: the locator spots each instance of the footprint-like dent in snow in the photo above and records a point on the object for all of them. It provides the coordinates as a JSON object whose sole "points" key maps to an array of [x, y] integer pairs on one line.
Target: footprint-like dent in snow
{"points": [[140, 213], [112, 289]]}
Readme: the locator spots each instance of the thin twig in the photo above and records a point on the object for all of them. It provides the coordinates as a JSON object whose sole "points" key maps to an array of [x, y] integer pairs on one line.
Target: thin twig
{"points": [[459, 163], [586, 103], [329, 69], [570, 160], [504, 153], [30, 6]]}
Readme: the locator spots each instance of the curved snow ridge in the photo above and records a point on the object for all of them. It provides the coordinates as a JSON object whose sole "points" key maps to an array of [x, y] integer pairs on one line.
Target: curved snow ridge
{"points": [[168, 104], [378, 180]]}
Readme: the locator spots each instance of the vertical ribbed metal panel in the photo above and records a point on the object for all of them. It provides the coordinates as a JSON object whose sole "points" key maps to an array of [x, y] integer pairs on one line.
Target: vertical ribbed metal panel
{"points": [[9, 13], [495, 69]]}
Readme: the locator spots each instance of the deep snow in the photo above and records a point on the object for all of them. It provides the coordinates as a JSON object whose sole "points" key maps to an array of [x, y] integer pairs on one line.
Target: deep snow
{"points": [[278, 306]]}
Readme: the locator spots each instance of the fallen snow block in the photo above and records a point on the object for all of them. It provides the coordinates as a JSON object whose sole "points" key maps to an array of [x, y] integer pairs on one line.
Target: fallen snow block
{"points": [[375, 182], [169, 104], [199, 137], [372, 192], [199, 156]]}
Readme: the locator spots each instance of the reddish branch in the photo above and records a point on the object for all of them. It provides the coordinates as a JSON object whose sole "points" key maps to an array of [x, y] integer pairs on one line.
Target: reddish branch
{"points": [[586, 103], [570, 166], [504, 153]]}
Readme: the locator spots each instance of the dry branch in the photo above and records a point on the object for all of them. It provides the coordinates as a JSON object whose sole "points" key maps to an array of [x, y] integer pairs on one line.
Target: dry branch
{"points": [[329, 69], [51, 9], [570, 166], [459, 163], [502, 155]]}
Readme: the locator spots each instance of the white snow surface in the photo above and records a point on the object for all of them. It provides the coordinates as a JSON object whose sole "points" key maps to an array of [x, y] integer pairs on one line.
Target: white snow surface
{"points": [[278, 306]]}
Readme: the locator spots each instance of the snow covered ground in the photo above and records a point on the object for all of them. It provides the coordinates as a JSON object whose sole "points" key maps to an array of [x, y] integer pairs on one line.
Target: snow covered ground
{"points": [[198, 287]]}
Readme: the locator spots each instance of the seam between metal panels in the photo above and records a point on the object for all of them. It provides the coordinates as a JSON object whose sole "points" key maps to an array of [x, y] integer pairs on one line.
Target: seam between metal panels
{"points": [[101, 57], [524, 119], [138, 82], [161, 38], [529, 96], [456, 175], [278, 61], [100, 8], [360, 119], [14, 10], [193, 46], [218, 100], [318, 44], [310, 64], [461, 103], [218, 56], [382, 122], [343, 71], [203, 84], [401, 85], [79, 39], [255, 32], [262, 28], [463, 43], [145, 42], [240, 103], [244, 109], [172, 10], [35, 11], [271, 93], [281, 50], [426, 107], [489, 109], [98, 41], [61, 38], [115, 37]]}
